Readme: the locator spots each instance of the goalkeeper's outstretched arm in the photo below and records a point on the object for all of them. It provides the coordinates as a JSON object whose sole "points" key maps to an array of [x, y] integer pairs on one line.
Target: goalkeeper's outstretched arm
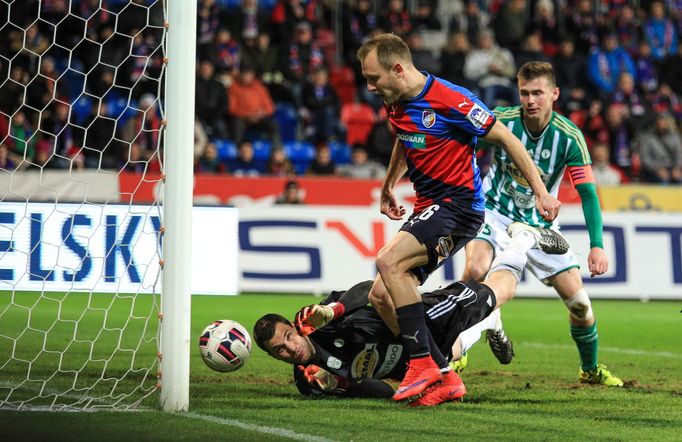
{"points": [[317, 382]]}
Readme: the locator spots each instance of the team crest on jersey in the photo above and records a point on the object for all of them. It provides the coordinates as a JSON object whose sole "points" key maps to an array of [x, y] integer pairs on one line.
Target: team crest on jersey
{"points": [[428, 118], [478, 116], [365, 362]]}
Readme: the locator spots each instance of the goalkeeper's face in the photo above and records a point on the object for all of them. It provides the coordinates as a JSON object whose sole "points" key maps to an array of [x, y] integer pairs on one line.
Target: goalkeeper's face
{"points": [[288, 346]]}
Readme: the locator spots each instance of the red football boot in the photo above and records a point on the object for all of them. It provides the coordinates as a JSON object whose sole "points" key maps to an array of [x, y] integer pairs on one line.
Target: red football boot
{"points": [[421, 374], [452, 388]]}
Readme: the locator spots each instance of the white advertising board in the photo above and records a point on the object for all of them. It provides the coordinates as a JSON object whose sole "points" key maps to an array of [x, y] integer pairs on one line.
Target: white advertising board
{"points": [[318, 249], [109, 248]]}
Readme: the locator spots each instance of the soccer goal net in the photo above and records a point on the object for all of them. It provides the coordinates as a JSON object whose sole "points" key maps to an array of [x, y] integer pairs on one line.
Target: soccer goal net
{"points": [[82, 101]]}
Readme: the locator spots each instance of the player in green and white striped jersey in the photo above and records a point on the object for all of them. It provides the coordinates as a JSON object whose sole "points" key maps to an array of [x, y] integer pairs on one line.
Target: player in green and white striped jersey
{"points": [[555, 144]]}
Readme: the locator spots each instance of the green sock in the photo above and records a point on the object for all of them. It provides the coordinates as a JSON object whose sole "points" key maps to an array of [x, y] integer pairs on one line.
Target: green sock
{"points": [[587, 340]]}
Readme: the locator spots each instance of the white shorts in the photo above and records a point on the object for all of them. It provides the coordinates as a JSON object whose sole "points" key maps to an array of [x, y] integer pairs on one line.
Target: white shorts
{"points": [[541, 264]]}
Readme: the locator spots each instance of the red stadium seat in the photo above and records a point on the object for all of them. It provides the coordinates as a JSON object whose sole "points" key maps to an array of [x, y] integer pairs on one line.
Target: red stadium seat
{"points": [[359, 119], [342, 79]]}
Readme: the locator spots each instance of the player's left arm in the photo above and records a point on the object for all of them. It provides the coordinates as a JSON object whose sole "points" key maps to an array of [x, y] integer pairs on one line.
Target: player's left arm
{"points": [[583, 181]]}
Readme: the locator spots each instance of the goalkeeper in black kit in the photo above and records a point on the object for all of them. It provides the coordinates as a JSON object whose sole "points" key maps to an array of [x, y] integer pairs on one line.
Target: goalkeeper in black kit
{"points": [[342, 347]]}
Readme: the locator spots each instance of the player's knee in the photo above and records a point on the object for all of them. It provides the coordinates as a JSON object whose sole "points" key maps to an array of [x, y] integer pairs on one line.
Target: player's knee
{"points": [[579, 306], [377, 297], [386, 261]]}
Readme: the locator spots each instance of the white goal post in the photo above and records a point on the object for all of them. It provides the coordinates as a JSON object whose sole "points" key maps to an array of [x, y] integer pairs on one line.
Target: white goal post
{"points": [[95, 290], [176, 298]]}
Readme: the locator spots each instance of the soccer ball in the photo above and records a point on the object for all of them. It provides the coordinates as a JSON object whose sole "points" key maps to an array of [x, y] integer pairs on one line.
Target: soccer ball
{"points": [[225, 345]]}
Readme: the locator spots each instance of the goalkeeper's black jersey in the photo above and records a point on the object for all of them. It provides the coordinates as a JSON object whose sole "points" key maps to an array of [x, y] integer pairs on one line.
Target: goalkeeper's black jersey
{"points": [[359, 345]]}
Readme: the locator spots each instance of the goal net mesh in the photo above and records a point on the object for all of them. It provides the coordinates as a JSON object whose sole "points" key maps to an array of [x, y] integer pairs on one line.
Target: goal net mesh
{"points": [[80, 106]]}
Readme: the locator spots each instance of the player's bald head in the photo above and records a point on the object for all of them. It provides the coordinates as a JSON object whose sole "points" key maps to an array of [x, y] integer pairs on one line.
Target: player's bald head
{"points": [[390, 49]]}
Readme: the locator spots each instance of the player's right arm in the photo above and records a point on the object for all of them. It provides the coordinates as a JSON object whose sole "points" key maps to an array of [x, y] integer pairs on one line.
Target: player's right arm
{"points": [[546, 204], [396, 169], [312, 380]]}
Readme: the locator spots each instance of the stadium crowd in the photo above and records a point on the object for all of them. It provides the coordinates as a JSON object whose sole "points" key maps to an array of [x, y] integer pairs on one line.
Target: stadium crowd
{"points": [[279, 89]]}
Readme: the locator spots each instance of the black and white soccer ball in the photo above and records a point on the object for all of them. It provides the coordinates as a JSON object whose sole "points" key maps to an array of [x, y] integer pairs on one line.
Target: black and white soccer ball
{"points": [[225, 345]]}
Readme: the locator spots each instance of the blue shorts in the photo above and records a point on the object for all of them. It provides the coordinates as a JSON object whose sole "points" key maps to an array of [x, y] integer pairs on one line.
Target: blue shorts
{"points": [[443, 229]]}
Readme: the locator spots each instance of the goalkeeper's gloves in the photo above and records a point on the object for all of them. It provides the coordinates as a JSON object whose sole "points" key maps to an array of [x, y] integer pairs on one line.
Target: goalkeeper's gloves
{"points": [[312, 317], [324, 380]]}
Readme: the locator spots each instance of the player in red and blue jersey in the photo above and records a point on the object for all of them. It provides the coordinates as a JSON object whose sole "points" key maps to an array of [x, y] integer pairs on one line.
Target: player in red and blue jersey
{"points": [[437, 126]]}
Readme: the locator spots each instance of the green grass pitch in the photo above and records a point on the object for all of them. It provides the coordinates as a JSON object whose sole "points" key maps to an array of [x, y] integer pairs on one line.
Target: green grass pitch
{"points": [[536, 397]]}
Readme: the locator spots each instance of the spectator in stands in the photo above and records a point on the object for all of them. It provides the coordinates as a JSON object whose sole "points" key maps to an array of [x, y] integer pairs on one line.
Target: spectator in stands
{"points": [[583, 26], [322, 164], [98, 146], [646, 74], [62, 135], [249, 19], [44, 87], [619, 137], [245, 165], [322, 107], [395, 18], [292, 194], [569, 68], [452, 59], [634, 104], [629, 28], [422, 58], [666, 100], [225, 53], [381, 139], [266, 60], [138, 61], [361, 166], [12, 91], [208, 21], [424, 18], [279, 164], [592, 123], [493, 68], [6, 162], [21, 142], [96, 12], [359, 20], [251, 107], [133, 160], [471, 23], [304, 56], [605, 173], [531, 50], [211, 101], [606, 63], [660, 32], [510, 24], [41, 159], [34, 41], [673, 70], [660, 150], [209, 161], [145, 127], [285, 16], [546, 26]]}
